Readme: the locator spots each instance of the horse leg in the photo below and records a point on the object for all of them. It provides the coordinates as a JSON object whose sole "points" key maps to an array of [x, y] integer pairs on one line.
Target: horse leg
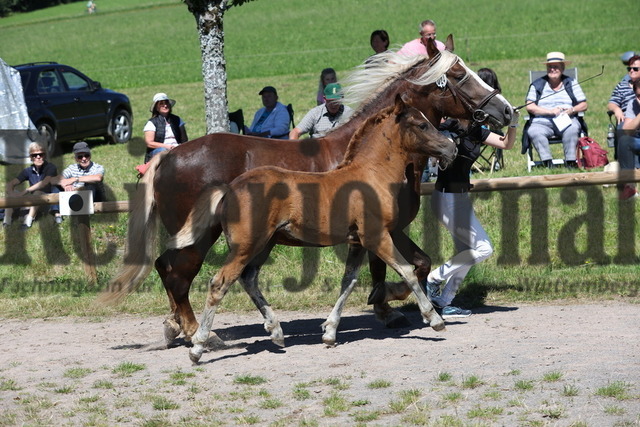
{"points": [[349, 280], [421, 261], [249, 281], [390, 254], [218, 287], [177, 269], [383, 291], [378, 297]]}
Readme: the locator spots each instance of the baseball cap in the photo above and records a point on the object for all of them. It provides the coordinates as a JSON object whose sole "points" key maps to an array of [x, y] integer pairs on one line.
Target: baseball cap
{"points": [[268, 89], [333, 91], [81, 147]]}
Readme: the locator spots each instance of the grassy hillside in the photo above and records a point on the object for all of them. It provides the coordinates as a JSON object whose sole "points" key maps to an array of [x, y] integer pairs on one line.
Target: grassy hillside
{"points": [[145, 46]]}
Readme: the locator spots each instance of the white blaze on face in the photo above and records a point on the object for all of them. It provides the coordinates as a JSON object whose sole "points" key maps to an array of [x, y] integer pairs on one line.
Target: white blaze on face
{"points": [[485, 85]]}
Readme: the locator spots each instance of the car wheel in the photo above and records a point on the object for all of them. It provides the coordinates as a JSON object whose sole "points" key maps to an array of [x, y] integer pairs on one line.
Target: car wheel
{"points": [[48, 139], [120, 131]]}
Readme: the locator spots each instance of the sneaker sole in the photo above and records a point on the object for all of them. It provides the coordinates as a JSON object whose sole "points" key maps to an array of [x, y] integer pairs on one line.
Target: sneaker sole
{"points": [[455, 316]]}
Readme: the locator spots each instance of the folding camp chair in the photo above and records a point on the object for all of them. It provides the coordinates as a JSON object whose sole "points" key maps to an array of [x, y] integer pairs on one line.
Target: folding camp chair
{"points": [[290, 110], [491, 158], [534, 75], [237, 117]]}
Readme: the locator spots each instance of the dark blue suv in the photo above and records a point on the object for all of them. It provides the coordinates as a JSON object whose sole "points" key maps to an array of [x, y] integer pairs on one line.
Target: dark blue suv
{"points": [[66, 105]]}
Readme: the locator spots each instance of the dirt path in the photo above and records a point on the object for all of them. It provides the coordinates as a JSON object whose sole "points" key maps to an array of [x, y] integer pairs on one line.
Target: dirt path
{"points": [[534, 365]]}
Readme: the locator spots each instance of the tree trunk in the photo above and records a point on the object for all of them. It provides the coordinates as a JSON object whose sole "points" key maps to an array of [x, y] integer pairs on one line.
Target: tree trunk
{"points": [[209, 16]]}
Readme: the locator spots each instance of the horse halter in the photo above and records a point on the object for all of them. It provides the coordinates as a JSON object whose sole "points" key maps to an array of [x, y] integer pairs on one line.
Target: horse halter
{"points": [[479, 115]]}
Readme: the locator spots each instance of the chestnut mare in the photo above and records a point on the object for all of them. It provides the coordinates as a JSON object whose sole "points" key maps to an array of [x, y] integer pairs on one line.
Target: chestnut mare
{"points": [[438, 85], [356, 203]]}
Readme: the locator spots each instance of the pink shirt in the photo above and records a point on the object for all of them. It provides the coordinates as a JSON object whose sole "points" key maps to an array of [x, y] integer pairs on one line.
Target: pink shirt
{"points": [[415, 47]]}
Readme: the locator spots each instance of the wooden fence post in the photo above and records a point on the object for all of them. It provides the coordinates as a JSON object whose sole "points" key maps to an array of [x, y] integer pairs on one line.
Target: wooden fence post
{"points": [[83, 235]]}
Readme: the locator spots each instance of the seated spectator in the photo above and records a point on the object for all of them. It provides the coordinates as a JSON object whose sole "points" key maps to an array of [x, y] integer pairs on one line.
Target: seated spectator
{"points": [[164, 130], [547, 111], [379, 41], [39, 170], [418, 46], [629, 147], [272, 120], [321, 119], [327, 76], [623, 93]]}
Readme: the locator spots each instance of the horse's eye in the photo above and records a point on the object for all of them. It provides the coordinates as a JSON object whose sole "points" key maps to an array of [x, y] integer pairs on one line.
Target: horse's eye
{"points": [[424, 126]]}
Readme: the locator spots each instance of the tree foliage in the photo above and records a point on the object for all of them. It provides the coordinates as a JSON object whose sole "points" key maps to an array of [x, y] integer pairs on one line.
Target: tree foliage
{"points": [[7, 7]]}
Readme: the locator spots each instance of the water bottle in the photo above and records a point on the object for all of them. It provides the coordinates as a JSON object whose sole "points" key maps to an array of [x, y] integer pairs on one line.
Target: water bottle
{"points": [[611, 136]]}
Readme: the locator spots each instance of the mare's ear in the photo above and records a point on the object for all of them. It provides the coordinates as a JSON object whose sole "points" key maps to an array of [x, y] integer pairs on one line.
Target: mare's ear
{"points": [[449, 43], [432, 49]]}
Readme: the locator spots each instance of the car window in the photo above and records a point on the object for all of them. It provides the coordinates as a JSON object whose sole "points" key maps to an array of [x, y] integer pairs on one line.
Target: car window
{"points": [[48, 82], [74, 81]]}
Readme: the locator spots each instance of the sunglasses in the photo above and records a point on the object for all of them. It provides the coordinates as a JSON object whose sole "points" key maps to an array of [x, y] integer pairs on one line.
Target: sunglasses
{"points": [[34, 155], [82, 156], [633, 68]]}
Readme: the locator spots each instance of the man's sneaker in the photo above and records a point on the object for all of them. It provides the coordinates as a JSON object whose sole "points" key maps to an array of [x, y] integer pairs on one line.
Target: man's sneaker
{"points": [[450, 311], [432, 289], [628, 192], [58, 220]]}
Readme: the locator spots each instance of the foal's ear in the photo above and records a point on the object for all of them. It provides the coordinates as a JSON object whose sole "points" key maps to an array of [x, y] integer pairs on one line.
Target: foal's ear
{"points": [[449, 43], [399, 104]]}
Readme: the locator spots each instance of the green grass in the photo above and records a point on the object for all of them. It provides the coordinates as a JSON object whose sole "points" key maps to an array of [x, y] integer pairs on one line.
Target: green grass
{"points": [[534, 261], [249, 380]]}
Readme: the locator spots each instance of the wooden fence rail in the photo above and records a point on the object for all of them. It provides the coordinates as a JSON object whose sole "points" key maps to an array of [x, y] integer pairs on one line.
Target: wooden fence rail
{"points": [[491, 184]]}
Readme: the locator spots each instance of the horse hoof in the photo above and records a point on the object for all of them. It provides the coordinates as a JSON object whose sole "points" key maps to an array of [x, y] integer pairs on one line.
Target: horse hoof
{"points": [[437, 324], [278, 341], [329, 340], [171, 331], [377, 295], [277, 336], [196, 353], [397, 321]]}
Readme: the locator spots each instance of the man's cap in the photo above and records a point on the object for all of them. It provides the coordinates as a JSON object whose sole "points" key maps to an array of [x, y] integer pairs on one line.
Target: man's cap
{"points": [[333, 91], [268, 89], [555, 57], [161, 97], [81, 147]]}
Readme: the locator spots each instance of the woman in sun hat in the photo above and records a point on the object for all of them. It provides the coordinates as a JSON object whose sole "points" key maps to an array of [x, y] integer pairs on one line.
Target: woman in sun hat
{"points": [[164, 130], [550, 97]]}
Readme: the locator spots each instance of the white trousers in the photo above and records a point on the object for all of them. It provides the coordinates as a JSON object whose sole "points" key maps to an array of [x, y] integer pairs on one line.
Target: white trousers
{"points": [[455, 212]]}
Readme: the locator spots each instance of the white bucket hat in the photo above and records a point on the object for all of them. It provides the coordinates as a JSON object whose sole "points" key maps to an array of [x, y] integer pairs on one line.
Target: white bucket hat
{"points": [[161, 97]]}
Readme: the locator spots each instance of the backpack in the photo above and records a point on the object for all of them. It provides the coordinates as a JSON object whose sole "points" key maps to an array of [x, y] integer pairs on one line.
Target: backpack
{"points": [[590, 154]]}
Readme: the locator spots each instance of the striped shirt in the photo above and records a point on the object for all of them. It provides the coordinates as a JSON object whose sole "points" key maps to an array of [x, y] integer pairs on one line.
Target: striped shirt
{"points": [[622, 94], [318, 121], [75, 171]]}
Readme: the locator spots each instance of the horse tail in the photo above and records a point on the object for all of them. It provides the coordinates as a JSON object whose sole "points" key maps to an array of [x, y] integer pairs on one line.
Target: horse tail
{"points": [[201, 218], [142, 231]]}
